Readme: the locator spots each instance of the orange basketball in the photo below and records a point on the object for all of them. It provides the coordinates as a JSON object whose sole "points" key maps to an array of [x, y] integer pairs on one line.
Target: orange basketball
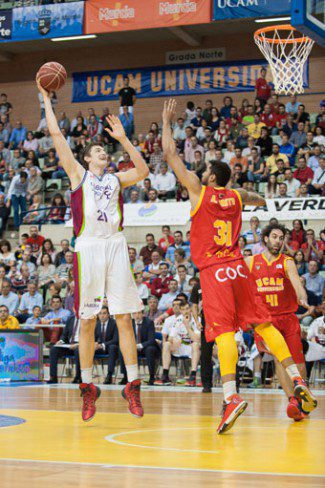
{"points": [[52, 76]]}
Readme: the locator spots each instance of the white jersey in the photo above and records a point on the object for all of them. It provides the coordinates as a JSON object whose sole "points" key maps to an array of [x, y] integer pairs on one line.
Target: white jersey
{"points": [[97, 206]]}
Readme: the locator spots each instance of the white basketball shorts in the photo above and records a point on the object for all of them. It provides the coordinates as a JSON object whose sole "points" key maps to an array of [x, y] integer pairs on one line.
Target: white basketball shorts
{"points": [[102, 267]]}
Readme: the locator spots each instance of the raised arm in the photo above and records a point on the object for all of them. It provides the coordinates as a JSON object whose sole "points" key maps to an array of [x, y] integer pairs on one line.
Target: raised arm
{"points": [[251, 198], [296, 283], [73, 169], [141, 170], [187, 178]]}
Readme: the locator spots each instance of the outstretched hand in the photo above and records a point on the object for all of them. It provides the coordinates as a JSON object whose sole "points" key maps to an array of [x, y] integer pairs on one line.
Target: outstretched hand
{"points": [[41, 89], [116, 129], [169, 110]]}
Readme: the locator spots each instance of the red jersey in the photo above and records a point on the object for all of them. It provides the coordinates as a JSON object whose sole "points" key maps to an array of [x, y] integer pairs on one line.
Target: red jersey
{"points": [[268, 119], [273, 283], [36, 243], [216, 227]]}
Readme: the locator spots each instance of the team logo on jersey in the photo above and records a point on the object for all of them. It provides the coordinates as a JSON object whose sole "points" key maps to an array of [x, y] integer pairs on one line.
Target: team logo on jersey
{"points": [[279, 266], [258, 267]]}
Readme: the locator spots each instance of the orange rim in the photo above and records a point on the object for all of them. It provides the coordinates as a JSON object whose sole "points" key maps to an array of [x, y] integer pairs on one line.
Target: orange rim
{"points": [[284, 27]]}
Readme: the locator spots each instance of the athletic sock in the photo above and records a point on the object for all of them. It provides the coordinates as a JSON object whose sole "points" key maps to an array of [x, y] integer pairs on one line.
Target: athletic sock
{"points": [[293, 371], [132, 372], [86, 375], [229, 389]]}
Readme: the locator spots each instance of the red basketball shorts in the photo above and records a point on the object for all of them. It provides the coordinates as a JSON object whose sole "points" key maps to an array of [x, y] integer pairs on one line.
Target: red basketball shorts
{"points": [[289, 326], [230, 299]]}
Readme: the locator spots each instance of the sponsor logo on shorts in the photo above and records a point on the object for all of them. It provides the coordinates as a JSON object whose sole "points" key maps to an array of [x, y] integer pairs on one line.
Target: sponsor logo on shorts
{"points": [[279, 266], [90, 305], [223, 274], [98, 299]]}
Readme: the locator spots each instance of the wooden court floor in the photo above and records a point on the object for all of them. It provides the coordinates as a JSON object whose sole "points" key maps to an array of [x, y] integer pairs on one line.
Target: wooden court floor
{"points": [[175, 444]]}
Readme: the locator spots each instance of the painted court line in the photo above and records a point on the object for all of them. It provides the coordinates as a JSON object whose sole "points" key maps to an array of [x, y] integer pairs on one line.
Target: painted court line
{"points": [[110, 466]]}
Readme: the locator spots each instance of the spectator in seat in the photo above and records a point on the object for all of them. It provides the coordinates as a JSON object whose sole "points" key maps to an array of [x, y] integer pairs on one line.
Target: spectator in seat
{"points": [[303, 191], [57, 315], [289, 127], [298, 138], [191, 149], [227, 105], [35, 184], [256, 167], [9, 298], [57, 210], [314, 281], [282, 191], [160, 283], [198, 119], [62, 271], [298, 232], [316, 331], [36, 211], [300, 262], [17, 136], [270, 163], [303, 173], [179, 133], [221, 135], [108, 342], [167, 239], [242, 140], [146, 251], [7, 321], [51, 165], [127, 120], [181, 259], [317, 186], [165, 183], [253, 235], [309, 147], [288, 149], [152, 311], [28, 301], [147, 346], [239, 178], [125, 162], [143, 289], [292, 105], [302, 115], [5, 106], [35, 239], [280, 170], [319, 137], [36, 318], [46, 273], [239, 159], [313, 249], [268, 118], [27, 260], [4, 134], [45, 143], [306, 315], [207, 112], [255, 129], [179, 243], [167, 299], [64, 122], [156, 158], [6, 254], [4, 215], [19, 279], [47, 247], [183, 279], [17, 161], [17, 194], [262, 87], [291, 182], [60, 257], [290, 247], [313, 161], [30, 143], [136, 264], [153, 269], [264, 142]]}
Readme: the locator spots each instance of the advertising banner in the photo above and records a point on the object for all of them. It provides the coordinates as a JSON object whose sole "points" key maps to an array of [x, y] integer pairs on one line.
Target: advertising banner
{"points": [[112, 16], [57, 20], [5, 25], [196, 55], [239, 9], [178, 213], [20, 355], [162, 81]]}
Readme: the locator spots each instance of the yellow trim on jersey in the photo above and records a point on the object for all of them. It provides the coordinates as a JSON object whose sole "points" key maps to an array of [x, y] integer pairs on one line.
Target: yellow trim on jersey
{"points": [[198, 205], [272, 260], [239, 198], [251, 264], [285, 266]]}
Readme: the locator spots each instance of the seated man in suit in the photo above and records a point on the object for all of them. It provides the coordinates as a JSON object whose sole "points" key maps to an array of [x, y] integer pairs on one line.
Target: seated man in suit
{"points": [[108, 341], [144, 330]]}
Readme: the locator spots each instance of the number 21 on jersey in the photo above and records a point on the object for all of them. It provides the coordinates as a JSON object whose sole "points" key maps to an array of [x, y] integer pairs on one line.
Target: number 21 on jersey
{"points": [[223, 235]]}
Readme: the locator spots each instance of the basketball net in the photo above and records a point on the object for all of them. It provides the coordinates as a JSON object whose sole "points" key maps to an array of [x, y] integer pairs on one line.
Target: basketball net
{"points": [[286, 54]]}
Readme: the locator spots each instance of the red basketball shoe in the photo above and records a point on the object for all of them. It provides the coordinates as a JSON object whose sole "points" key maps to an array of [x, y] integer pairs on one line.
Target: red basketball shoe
{"points": [[230, 413], [131, 393], [303, 394], [294, 410], [90, 393]]}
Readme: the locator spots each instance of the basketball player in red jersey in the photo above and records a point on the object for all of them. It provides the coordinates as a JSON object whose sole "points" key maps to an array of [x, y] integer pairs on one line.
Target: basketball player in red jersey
{"points": [[229, 292], [278, 282]]}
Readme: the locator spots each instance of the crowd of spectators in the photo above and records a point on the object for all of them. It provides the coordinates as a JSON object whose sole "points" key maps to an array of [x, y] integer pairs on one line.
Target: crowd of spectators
{"points": [[272, 147]]}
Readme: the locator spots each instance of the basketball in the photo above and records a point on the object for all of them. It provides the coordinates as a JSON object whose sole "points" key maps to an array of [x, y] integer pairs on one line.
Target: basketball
{"points": [[52, 76]]}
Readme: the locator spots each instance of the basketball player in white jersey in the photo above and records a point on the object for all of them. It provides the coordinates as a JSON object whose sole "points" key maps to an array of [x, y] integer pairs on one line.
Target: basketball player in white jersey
{"points": [[101, 261]]}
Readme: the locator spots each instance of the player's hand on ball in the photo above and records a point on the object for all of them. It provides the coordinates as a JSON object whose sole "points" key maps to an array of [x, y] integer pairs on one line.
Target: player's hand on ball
{"points": [[169, 110], [41, 89], [116, 129]]}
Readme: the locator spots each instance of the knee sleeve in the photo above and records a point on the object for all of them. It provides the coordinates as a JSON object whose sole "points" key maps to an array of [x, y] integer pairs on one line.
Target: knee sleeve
{"points": [[227, 353]]}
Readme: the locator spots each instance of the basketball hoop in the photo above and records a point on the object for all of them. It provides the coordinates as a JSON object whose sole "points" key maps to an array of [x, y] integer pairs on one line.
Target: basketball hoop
{"points": [[287, 54]]}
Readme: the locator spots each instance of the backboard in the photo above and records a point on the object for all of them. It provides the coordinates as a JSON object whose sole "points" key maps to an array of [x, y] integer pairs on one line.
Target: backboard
{"points": [[308, 17]]}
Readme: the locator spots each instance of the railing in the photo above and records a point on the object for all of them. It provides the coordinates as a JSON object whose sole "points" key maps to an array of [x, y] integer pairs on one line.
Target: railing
{"points": [[47, 211]]}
